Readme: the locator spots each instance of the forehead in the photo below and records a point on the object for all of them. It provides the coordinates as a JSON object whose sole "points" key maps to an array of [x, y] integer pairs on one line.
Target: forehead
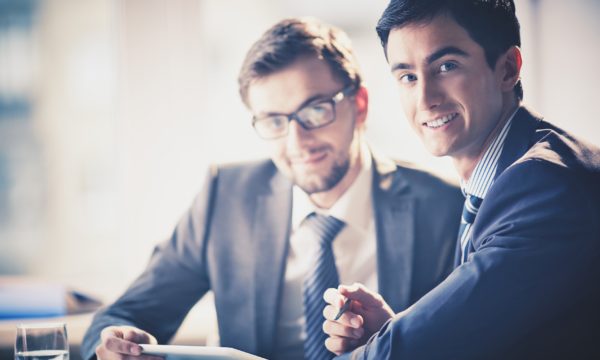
{"points": [[414, 42], [286, 90]]}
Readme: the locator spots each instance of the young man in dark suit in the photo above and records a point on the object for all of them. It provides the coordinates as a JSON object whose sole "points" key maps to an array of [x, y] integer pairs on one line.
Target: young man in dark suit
{"points": [[526, 283], [248, 236]]}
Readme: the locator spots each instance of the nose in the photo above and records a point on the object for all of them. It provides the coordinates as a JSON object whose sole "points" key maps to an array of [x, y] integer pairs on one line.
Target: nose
{"points": [[297, 135], [428, 94]]}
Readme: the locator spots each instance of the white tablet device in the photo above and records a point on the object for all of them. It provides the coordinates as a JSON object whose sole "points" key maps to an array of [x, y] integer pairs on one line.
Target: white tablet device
{"points": [[173, 352]]}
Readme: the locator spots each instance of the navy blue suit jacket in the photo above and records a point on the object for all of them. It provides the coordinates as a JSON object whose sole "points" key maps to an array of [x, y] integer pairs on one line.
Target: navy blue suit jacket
{"points": [[530, 288], [234, 241]]}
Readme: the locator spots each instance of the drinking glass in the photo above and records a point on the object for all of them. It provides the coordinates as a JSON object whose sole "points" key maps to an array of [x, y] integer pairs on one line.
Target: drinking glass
{"points": [[47, 341]]}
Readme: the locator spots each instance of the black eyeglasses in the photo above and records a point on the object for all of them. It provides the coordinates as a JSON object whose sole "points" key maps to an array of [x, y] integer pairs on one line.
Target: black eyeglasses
{"points": [[311, 116]]}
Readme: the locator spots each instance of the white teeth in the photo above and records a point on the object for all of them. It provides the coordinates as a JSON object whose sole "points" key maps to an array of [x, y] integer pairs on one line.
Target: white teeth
{"points": [[440, 121]]}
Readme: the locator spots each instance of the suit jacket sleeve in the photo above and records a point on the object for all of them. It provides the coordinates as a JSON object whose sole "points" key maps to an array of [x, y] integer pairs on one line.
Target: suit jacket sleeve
{"points": [[536, 238], [174, 280]]}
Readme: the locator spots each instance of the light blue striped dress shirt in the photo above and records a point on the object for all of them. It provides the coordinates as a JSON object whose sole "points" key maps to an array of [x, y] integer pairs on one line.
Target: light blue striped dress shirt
{"points": [[483, 176]]}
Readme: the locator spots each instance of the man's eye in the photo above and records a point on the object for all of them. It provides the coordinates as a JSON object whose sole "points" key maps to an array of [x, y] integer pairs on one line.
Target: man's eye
{"points": [[279, 122], [407, 78], [316, 114], [447, 66], [275, 122], [317, 109]]}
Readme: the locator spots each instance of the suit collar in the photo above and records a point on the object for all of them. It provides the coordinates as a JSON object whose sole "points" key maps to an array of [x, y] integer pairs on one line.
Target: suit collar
{"points": [[394, 207], [278, 183], [519, 138], [386, 178], [271, 229]]}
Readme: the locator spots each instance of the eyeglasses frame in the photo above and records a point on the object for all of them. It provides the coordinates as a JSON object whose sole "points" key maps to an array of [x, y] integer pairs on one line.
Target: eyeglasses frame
{"points": [[334, 100]]}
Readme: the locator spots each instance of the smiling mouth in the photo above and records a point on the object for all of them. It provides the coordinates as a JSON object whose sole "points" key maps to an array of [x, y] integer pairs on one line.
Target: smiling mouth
{"points": [[441, 121], [312, 156]]}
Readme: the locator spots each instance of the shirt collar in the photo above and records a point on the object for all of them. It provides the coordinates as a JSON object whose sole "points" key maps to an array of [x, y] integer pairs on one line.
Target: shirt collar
{"points": [[483, 175], [353, 207]]}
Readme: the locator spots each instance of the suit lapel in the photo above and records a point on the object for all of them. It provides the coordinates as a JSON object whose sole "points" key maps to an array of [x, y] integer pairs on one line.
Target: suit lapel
{"points": [[395, 229], [270, 233], [519, 138]]}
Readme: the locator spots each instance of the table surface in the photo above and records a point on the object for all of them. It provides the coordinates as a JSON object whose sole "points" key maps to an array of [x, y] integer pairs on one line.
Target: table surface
{"points": [[76, 327], [199, 325]]}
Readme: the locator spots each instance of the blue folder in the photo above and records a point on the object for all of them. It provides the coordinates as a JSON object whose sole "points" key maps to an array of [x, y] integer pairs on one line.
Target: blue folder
{"points": [[32, 300]]}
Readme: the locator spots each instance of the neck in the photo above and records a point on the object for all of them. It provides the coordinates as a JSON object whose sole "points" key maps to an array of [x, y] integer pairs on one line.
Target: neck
{"points": [[465, 164], [326, 199]]}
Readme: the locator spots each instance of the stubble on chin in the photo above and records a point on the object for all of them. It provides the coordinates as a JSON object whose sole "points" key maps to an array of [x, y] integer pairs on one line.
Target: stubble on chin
{"points": [[312, 183]]}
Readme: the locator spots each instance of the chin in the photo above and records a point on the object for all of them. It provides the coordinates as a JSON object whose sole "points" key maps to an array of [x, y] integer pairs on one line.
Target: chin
{"points": [[314, 182], [311, 186], [436, 151]]}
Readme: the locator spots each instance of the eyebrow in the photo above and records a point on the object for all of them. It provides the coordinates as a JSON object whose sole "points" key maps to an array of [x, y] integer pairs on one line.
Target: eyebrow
{"points": [[315, 98], [448, 50]]}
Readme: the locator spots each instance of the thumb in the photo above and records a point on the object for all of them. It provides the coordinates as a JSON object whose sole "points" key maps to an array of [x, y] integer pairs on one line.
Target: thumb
{"points": [[362, 294]]}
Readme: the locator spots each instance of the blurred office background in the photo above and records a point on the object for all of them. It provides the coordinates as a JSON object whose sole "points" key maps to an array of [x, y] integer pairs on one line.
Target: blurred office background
{"points": [[111, 111]]}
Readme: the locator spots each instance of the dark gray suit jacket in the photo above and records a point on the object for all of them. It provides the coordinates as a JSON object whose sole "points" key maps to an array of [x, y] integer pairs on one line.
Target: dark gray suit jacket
{"points": [[234, 241]]}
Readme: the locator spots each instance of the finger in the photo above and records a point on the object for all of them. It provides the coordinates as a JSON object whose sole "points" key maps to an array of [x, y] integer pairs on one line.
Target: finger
{"points": [[338, 345], [138, 336], [348, 318], [111, 331], [361, 293], [334, 328], [121, 346], [102, 353], [329, 312], [332, 296]]}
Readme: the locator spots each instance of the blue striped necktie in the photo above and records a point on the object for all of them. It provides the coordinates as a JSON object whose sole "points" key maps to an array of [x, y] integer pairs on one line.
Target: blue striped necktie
{"points": [[321, 276], [470, 209]]}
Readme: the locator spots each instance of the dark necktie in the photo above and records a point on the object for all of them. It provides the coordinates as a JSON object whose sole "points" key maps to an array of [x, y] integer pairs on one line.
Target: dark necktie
{"points": [[321, 276], [470, 209]]}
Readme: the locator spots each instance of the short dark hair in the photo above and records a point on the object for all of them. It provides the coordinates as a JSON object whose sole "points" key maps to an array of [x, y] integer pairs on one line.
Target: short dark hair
{"points": [[492, 24], [291, 39]]}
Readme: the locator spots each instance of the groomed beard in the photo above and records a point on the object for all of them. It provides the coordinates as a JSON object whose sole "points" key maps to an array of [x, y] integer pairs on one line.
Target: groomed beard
{"points": [[312, 184]]}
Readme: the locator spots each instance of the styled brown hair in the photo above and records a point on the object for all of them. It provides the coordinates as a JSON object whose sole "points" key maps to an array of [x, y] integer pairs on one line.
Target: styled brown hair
{"points": [[293, 38]]}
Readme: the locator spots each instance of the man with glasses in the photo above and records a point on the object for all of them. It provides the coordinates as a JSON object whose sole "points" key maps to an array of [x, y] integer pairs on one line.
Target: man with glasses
{"points": [[269, 237]]}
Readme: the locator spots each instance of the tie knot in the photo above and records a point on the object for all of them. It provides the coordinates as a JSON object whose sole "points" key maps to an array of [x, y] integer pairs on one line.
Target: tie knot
{"points": [[474, 201], [471, 208], [325, 227]]}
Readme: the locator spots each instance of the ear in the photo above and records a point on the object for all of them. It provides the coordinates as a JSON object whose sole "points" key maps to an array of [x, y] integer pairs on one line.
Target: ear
{"points": [[510, 68], [361, 101]]}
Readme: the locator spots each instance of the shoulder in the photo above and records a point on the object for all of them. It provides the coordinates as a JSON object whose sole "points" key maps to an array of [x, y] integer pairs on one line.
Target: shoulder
{"points": [[542, 195], [554, 164], [553, 145], [551, 161], [416, 172], [246, 172], [555, 161], [421, 179], [534, 174], [400, 180], [240, 179], [554, 181]]}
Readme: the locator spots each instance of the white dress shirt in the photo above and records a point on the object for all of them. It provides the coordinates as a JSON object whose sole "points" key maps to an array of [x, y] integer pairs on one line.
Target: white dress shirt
{"points": [[354, 249]]}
